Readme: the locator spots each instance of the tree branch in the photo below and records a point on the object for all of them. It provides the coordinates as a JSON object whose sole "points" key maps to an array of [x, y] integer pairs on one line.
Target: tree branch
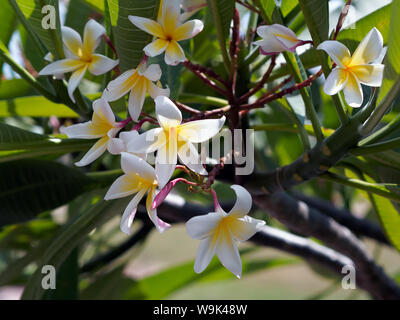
{"points": [[301, 218]]}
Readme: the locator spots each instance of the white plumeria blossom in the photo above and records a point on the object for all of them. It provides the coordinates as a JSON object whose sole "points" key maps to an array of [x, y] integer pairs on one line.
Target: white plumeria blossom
{"points": [[219, 231], [138, 82], [139, 178], [174, 139], [80, 56], [49, 57], [363, 67], [118, 145], [102, 126], [276, 38], [168, 30]]}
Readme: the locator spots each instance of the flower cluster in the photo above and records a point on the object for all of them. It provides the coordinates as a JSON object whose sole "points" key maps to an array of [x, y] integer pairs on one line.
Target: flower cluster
{"points": [[175, 139]]}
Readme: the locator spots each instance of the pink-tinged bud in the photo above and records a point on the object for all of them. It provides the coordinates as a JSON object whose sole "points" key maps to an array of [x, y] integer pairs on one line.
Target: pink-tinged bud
{"points": [[159, 198]]}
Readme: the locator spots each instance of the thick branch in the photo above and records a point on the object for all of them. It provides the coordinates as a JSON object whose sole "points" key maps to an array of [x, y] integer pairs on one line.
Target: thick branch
{"points": [[302, 218], [357, 225]]}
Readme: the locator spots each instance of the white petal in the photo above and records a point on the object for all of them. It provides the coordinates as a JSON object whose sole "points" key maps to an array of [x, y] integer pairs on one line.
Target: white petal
{"points": [[116, 146], [337, 51], [188, 30], [103, 111], [74, 81], [122, 187], [244, 228], [168, 114], [128, 136], [153, 72], [353, 93], [170, 15], [72, 42], [336, 81], [148, 141], [136, 98], [160, 224], [369, 48], [156, 47], [49, 57], [201, 130], [189, 156], [80, 131], [61, 66], [166, 161], [130, 211], [93, 31], [228, 254], [94, 152], [147, 25], [200, 227], [120, 85], [369, 74], [204, 254], [276, 38], [134, 165], [155, 91], [174, 54], [101, 64], [243, 202]]}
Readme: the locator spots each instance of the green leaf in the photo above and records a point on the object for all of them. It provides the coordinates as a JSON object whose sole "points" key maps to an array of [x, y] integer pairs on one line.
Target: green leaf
{"points": [[32, 11], [223, 15], [67, 279], [68, 238], [129, 39], [316, 14], [96, 4], [162, 284], [8, 23], [13, 88], [392, 60], [34, 106], [16, 138], [29, 187]]}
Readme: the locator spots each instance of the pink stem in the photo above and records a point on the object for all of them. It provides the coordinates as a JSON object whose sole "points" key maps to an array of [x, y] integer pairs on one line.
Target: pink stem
{"points": [[216, 203], [124, 122], [159, 198]]}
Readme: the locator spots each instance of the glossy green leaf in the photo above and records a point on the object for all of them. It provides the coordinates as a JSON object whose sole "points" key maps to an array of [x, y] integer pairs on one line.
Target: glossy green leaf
{"points": [[34, 106], [316, 14], [8, 23], [130, 40], [392, 60], [13, 88], [68, 238], [29, 187], [40, 20]]}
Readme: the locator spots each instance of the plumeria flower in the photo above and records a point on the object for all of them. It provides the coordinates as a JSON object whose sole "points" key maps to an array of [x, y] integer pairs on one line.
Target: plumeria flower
{"points": [[219, 231], [102, 126], [80, 56], [49, 57], [277, 38], [118, 145], [174, 139], [138, 82], [168, 30], [364, 66], [139, 178]]}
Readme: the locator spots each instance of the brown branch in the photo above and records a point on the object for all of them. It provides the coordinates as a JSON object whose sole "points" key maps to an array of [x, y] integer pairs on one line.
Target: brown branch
{"points": [[207, 71], [248, 6], [206, 80], [342, 17], [186, 108], [261, 83], [234, 51], [271, 97], [304, 219]]}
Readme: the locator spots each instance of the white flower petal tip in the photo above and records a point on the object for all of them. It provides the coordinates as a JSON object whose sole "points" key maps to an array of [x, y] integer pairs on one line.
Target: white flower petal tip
{"points": [[137, 82], [363, 67], [277, 38], [219, 232], [168, 30]]}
